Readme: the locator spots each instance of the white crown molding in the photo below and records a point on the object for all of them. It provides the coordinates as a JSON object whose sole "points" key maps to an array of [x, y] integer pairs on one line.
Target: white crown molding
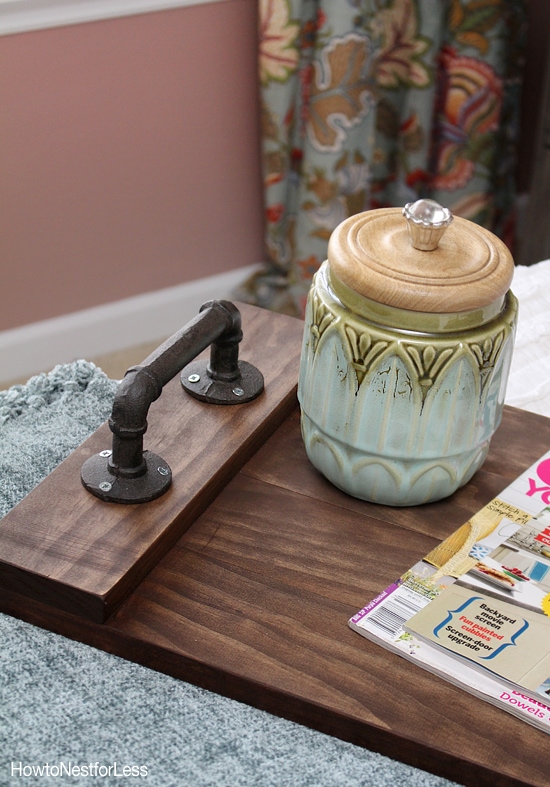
{"points": [[20, 16], [89, 333]]}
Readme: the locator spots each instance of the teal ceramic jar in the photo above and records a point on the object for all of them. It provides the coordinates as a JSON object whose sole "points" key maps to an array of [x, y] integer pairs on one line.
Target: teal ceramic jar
{"points": [[407, 347]]}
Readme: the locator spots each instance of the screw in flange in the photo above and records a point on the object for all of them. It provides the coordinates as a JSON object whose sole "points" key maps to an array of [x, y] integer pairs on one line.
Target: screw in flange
{"points": [[105, 486], [194, 378], [105, 453], [238, 391], [163, 470]]}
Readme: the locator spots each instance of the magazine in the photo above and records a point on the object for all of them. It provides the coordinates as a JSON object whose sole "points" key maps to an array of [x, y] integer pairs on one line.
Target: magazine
{"points": [[476, 609]]}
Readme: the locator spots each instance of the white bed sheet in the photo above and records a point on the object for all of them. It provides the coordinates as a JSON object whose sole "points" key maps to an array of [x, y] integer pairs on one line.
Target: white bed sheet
{"points": [[529, 382]]}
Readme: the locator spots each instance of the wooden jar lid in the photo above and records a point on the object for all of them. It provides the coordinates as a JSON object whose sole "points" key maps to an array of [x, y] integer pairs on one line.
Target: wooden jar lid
{"points": [[373, 254]]}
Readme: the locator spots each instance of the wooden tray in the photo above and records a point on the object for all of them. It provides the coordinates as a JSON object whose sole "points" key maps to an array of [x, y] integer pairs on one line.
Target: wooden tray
{"points": [[253, 601]]}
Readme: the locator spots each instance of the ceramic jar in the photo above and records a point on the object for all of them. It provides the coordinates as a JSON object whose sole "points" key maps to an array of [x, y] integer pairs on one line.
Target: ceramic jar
{"points": [[407, 347]]}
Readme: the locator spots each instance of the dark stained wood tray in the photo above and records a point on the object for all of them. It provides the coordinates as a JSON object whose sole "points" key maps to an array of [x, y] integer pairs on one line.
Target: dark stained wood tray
{"points": [[252, 601]]}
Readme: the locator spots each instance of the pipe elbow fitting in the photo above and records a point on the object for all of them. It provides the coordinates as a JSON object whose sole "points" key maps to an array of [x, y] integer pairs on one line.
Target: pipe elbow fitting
{"points": [[137, 391]]}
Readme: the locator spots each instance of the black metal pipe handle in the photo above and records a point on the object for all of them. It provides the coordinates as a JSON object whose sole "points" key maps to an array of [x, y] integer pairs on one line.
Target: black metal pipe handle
{"points": [[128, 474]]}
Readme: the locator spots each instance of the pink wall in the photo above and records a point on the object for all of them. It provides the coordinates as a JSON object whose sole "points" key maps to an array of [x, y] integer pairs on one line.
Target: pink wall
{"points": [[128, 157]]}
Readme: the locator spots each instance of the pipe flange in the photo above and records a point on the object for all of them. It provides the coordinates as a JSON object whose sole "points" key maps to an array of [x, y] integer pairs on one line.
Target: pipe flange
{"points": [[98, 478], [197, 380]]}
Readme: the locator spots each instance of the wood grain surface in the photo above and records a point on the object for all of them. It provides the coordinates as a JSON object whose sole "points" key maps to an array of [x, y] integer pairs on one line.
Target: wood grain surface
{"points": [[253, 602], [63, 545]]}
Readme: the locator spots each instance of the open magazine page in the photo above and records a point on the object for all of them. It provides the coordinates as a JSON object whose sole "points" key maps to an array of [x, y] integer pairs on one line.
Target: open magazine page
{"points": [[501, 558]]}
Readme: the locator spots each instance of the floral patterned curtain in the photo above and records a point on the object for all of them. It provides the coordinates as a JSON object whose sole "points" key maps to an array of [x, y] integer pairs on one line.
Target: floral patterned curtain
{"points": [[373, 103]]}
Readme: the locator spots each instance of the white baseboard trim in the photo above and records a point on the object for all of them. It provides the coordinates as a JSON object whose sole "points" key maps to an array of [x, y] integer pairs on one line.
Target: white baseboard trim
{"points": [[21, 16], [40, 346]]}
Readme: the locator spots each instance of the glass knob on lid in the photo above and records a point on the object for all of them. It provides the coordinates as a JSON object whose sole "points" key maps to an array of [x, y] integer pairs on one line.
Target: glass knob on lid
{"points": [[427, 221]]}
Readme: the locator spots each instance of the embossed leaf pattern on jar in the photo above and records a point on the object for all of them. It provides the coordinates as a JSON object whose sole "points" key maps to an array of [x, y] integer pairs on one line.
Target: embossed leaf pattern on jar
{"points": [[407, 347]]}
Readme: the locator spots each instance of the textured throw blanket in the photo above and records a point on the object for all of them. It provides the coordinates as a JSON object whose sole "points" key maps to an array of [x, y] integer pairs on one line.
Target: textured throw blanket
{"points": [[70, 714], [43, 421]]}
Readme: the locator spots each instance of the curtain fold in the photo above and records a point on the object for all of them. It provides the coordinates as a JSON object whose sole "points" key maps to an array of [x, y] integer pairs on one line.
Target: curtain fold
{"points": [[374, 103]]}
